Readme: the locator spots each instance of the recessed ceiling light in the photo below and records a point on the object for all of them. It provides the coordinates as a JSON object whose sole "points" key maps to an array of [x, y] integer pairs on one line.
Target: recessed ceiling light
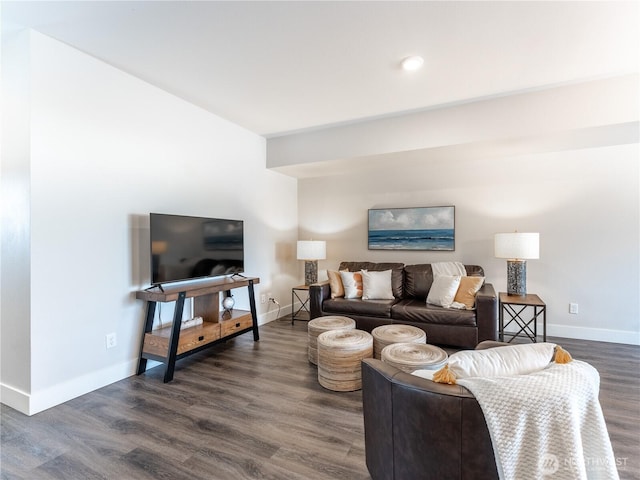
{"points": [[412, 63]]}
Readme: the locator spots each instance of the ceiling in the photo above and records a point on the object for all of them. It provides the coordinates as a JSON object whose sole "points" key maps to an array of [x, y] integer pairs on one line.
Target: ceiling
{"points": [[282, 67]]}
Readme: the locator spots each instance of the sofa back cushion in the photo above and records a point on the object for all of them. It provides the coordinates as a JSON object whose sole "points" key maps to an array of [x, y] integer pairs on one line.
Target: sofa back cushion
{"points": [[396, 272], [418, 279]]}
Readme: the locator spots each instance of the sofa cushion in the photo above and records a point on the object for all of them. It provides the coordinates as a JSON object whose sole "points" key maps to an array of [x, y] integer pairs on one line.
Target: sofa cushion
{"points": [[474, 271], [357, 306], [335, 284], [352, 284], [467, 290], [396, 272], [443, 290], [376, 285], [415, 310], [418, 278]]}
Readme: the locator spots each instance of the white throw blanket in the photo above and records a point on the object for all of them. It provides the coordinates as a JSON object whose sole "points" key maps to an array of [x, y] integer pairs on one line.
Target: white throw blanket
{"points": [[448, 268], [547, 424]]}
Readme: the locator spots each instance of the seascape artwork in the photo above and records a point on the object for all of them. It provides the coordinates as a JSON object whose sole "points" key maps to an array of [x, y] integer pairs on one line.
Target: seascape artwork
{"points": [[421, 228]]}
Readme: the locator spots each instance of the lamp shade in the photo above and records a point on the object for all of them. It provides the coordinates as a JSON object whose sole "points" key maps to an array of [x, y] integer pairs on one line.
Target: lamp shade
{"points": [[312, 250], [517, 245]]}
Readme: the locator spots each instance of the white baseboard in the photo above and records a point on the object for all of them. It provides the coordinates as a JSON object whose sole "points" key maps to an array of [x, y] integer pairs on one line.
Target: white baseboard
{"points": [[595, 334], [14, 398], [36, 402], [273, 314]]}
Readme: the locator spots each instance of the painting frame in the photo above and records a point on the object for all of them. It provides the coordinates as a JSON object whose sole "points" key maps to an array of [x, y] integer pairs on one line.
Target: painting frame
{"points": [[412, 228]]}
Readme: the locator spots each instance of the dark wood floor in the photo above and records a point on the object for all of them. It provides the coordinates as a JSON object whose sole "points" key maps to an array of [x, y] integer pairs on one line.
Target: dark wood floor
{"points": [[246, 410]]}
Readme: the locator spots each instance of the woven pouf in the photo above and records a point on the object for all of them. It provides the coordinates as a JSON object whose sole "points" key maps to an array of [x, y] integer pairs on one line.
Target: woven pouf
{"points": [[340, 353], [387, 334], [414, 356], [324, 324]]}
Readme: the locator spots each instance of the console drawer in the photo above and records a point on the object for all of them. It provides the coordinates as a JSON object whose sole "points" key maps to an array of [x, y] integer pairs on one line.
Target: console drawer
{"points": [[157, 342], [233, 325], [194, 337]]}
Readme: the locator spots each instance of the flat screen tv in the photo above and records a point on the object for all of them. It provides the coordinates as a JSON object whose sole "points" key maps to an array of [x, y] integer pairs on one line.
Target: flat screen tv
{"points": [[186, 248]]}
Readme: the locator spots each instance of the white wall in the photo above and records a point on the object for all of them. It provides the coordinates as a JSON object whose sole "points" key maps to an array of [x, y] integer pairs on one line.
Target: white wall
{"points": [[585, 204], [15, 345], [107, 149]]}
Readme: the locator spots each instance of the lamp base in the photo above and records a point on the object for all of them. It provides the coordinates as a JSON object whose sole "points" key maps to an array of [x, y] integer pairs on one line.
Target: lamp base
{"points": [[310, 272], [516, 277]]}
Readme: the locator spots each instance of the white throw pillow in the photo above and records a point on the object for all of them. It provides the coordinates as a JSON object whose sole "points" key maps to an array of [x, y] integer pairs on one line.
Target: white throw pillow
{"points": [[502, 361], [352, 284], [443, 290], [376, 285]]}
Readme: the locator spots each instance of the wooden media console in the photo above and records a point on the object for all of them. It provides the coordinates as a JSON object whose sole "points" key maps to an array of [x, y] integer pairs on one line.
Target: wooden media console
{"points": [[172, 343]]}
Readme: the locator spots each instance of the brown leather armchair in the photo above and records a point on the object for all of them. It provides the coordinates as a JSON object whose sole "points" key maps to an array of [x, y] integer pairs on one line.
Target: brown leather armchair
{"points": [[417, 429]]}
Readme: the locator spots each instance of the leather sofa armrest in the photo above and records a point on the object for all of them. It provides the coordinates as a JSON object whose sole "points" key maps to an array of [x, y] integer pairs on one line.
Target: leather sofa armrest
{"points": [[487, 313], [318, 293], [377, 411], [413, 425], [406, 380]]}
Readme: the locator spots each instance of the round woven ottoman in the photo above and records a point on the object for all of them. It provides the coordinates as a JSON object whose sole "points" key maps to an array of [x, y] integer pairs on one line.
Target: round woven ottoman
{"points": [[339, 355], [387, 334], [324, 324], [414, 356]]}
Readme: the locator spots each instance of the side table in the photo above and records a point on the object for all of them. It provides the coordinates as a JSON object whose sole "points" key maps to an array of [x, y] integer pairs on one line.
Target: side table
{"points": [[304, 303], [516, 307]]}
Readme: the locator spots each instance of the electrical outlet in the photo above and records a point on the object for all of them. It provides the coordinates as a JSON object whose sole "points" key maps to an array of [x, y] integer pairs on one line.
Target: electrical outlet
{"points": [[111, 340], [573, 308], [263, 298]]}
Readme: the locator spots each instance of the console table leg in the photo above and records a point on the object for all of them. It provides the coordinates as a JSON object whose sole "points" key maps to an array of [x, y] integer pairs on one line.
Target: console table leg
{"points": [[254, 314], [148, 325], [175, 336]]}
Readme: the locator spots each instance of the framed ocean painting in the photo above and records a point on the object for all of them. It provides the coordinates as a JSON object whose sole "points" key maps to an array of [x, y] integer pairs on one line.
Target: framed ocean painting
{"points": [[418, 228]]}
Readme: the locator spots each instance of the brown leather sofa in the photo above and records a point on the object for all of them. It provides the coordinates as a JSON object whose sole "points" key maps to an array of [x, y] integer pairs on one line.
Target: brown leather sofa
{"points": [[417, 429], [410, 285]]}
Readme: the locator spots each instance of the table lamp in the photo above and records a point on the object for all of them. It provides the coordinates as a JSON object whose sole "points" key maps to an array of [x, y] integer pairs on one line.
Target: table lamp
{"points": [[311, 251], [517, 248]]}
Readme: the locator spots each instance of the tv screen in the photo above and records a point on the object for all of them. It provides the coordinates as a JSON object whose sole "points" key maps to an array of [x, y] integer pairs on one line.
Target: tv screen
{"points": [[184, 248]]}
